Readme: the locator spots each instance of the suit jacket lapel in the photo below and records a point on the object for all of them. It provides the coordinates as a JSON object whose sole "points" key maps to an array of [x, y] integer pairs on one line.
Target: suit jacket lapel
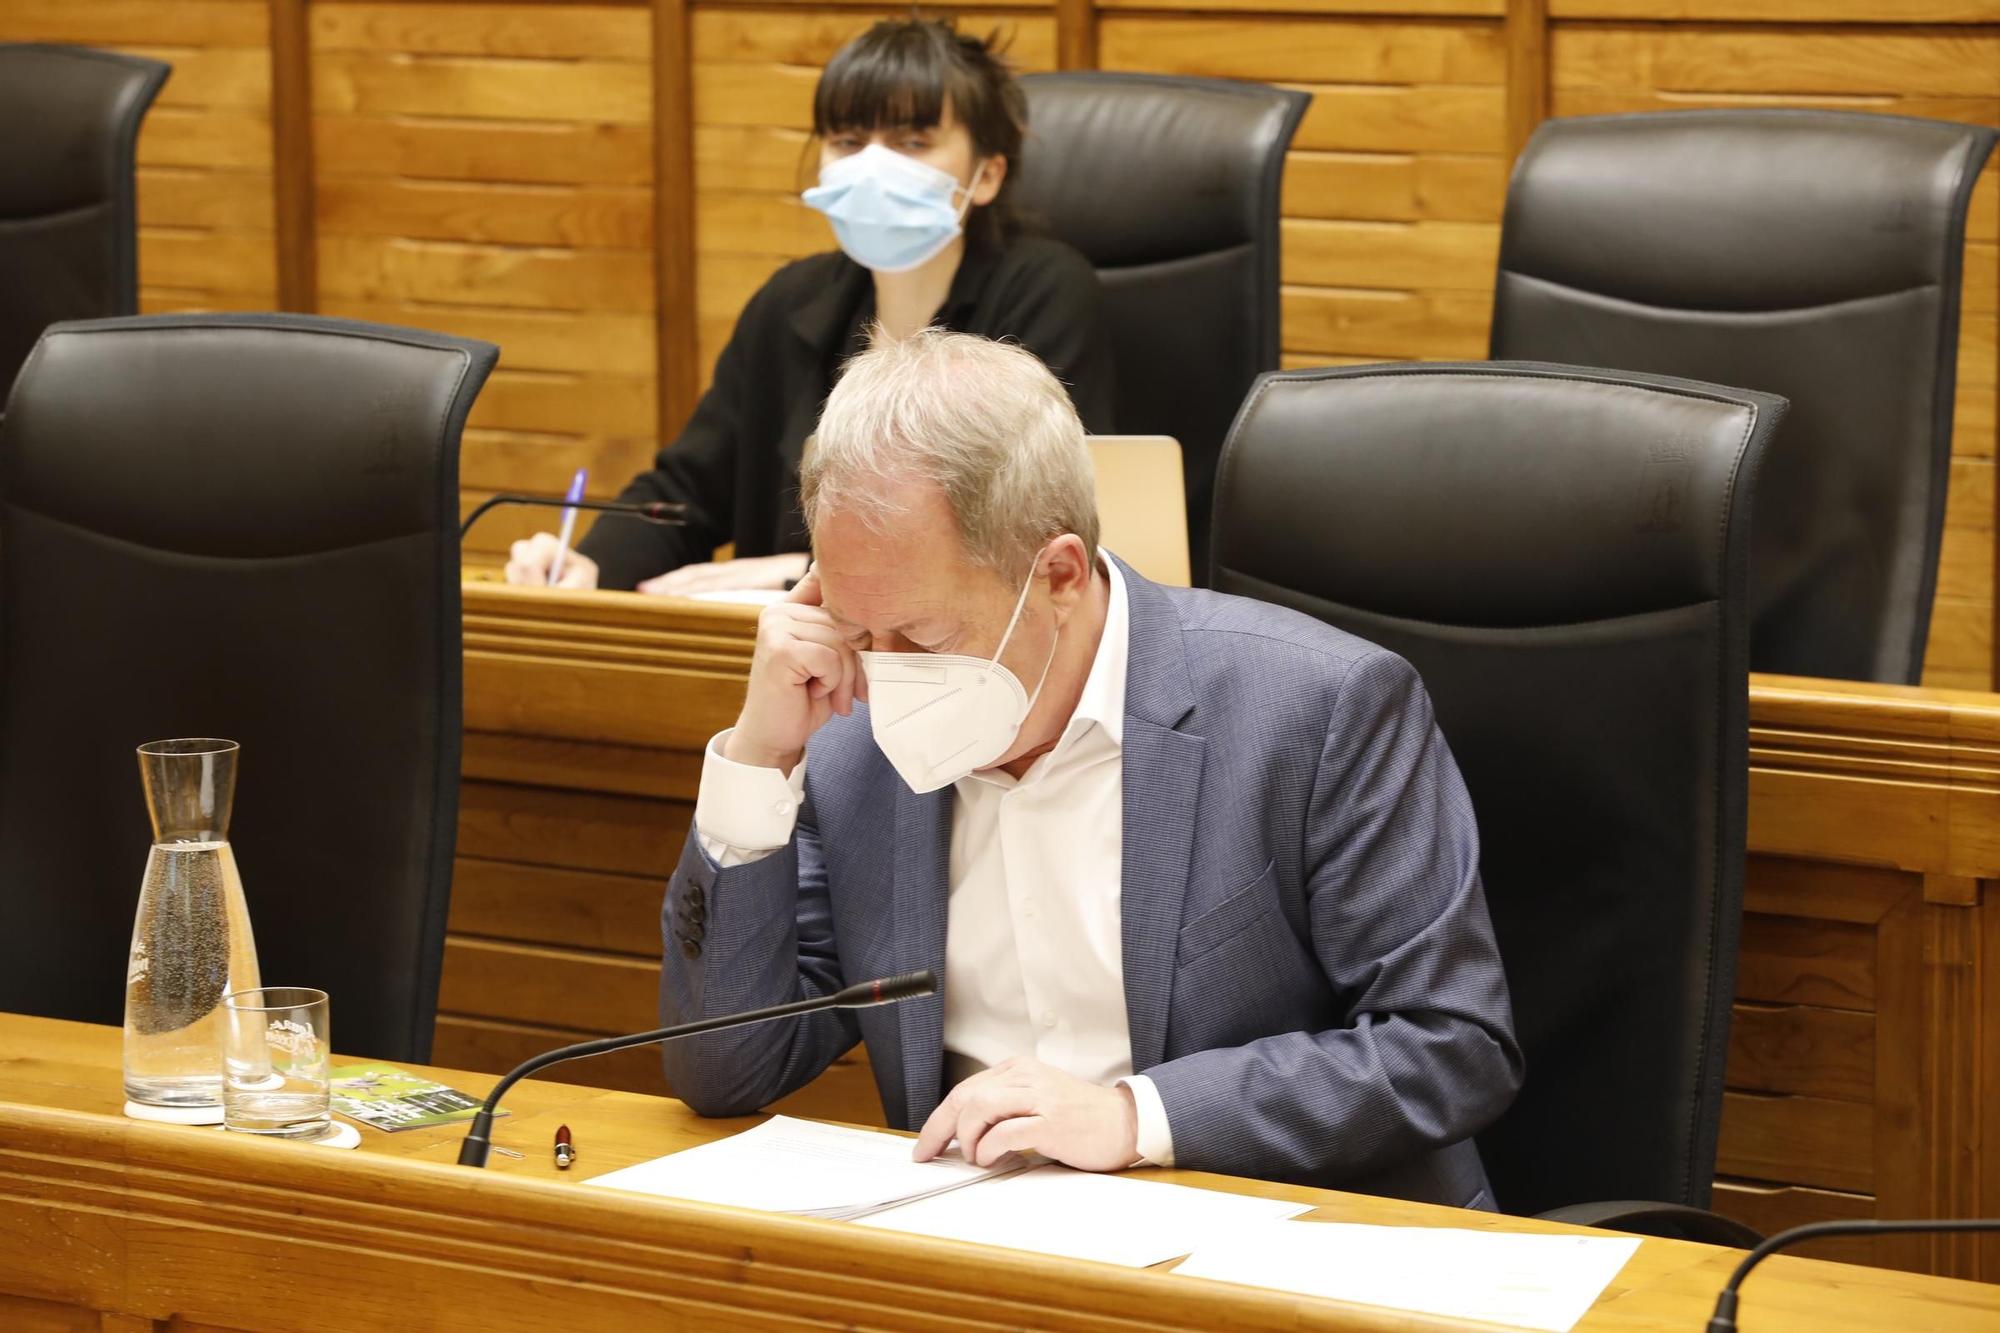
{"points": [[1162, 786], [922, 892]]}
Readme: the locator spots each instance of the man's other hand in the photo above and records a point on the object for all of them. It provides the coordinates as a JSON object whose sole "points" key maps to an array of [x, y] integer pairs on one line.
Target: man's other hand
{"points": [[1025, 1105]]}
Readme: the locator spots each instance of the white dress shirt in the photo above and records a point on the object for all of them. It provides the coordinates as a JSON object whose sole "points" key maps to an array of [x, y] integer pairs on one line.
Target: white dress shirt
{"points": [[1034, 936]]}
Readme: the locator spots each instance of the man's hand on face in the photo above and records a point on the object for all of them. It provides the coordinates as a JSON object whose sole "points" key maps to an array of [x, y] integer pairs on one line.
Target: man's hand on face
{"points": [[1025, 1105], [803, 672]]}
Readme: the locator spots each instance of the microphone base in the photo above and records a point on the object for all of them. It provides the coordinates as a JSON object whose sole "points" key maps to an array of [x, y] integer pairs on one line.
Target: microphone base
{"points": [[478, 1141]]}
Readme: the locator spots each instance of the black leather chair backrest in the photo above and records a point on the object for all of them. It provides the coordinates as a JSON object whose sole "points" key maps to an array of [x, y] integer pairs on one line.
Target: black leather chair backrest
{"points": [[1811, 254], [1562, 555], [241, 526], [69, 117], [1169, 187]]}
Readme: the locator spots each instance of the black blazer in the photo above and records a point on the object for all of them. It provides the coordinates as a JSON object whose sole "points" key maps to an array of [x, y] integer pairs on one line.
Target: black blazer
{"points": [[736, 463]]}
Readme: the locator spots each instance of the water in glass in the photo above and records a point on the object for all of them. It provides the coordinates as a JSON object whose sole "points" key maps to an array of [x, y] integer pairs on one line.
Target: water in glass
{"points": [[191, 939], [275, 1056]]}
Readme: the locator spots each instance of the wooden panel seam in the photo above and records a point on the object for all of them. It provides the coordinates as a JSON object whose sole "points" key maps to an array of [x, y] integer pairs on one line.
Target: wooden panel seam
{"points": [[674, 202], [293, 203], [1527, 40]]}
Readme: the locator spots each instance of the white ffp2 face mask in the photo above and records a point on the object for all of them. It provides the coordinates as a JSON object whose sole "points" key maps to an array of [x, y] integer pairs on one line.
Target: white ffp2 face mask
{"points": [[939, 716]]}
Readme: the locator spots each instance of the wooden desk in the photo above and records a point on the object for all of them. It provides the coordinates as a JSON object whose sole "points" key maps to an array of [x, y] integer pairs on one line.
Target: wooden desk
{"points": [[112, 1223], [1870, 978]]}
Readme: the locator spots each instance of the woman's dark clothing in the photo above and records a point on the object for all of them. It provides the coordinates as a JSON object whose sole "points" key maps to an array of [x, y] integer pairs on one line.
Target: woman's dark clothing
{"points": [[736, 463]]}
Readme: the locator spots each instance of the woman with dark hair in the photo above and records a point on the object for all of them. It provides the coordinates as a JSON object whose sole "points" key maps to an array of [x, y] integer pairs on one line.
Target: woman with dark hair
{"points": [[919, 130]]}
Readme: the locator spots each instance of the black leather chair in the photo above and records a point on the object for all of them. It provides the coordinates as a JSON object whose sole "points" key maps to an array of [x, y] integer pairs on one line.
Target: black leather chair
{"points": [[1813, 254], [1169, 186], [68, 235], [241, 526], [1562, 554]]}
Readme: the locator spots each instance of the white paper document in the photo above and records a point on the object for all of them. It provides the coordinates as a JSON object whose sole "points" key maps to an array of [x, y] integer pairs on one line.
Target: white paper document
{"points": [[800, 1166], [814, 1170], [1112, 1219], [1539, 1282]]}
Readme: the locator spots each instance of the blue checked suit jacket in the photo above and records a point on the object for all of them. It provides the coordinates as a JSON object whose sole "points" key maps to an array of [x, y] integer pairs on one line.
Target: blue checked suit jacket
{"points": [[1310, 974]]}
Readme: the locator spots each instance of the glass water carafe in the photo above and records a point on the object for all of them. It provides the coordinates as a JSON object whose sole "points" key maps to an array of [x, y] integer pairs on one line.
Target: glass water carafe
{"points": [[191, 942]]}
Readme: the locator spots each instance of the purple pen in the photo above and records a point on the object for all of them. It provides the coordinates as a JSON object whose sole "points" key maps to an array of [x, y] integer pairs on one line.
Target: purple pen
{"points": [[568, 523]]}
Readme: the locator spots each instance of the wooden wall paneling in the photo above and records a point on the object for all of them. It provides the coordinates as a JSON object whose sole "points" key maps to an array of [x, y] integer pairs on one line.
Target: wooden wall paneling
{"points": [[1527, 31], [205, 150], [1772, 1208], [1803, 1050], [561, 906], [1926, 1138], [1815, 12], [488, 169], [1076, 34], [673, 210], [1989, 1073], [292, 155], [1865, 974], [563, 987], [754, 69], [844, 1093], [1394, 186], [1948, 72], [1389, 9]]}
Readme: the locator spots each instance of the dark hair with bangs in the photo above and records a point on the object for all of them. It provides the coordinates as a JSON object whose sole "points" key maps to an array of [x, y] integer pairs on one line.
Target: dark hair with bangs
{"points": [[903, 72]]}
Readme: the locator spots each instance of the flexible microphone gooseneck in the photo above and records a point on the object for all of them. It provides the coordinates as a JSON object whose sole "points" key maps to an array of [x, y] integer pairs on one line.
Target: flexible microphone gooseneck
{"points": [[658, 511], [1724, 1318], [862, 995]]}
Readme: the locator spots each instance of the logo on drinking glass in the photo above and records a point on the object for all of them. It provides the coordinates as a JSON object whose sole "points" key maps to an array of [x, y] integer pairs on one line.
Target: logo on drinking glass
{"points": [[295, 1039]]}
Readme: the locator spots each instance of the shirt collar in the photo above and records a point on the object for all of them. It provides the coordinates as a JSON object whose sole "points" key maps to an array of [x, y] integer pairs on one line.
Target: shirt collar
{"points": [[1103, 700]]}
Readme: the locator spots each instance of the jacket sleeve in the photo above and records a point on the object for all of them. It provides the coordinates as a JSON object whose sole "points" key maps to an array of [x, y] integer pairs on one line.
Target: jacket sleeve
{"points": [[762, 935], [1427, 1055], [1055, 309], [698, 470]]}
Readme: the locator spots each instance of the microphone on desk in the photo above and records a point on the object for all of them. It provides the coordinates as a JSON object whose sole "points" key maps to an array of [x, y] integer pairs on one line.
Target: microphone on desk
{"points": [[656, 511], [1724, 1318], [862, 995]]}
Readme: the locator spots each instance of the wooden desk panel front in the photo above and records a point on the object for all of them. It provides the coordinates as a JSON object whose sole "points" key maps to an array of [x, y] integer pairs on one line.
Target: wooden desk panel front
{"points": [[117, 1225], [1871, 944]]}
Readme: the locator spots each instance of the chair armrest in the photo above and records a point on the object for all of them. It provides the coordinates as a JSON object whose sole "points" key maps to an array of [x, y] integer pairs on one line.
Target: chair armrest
{"points": [[1671, 1220]]}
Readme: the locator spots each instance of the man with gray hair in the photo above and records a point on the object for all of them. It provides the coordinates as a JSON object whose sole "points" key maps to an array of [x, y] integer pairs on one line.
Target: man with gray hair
{"points": [[1198, 873]]}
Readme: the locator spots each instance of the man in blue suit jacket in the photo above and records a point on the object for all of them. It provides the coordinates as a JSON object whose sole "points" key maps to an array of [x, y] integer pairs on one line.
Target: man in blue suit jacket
{"points": [[1198, 873]]}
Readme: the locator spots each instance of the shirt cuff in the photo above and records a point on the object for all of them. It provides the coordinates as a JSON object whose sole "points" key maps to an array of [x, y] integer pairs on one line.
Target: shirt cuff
{"points": [[743, 813], [1156, 1136]]}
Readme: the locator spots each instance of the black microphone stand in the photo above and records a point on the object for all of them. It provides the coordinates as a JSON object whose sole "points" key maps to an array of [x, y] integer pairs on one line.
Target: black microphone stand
{"points": [[863, 995], [664, 512], [1724, 1318]]}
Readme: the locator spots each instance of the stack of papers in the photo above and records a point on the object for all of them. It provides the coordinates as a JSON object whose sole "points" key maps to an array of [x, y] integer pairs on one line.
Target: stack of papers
{"points": [[813, 1170], [1543, 1282], [805, 1168], [1539, 1282], [1112, 1219]]}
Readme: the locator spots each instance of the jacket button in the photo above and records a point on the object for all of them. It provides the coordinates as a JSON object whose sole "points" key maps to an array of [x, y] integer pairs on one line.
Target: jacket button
{"points": [[690, 947], [695, 897]]}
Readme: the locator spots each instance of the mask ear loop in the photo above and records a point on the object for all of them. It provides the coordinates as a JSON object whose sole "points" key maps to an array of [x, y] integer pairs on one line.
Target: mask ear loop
{"points": [[1005, 638], [1019, 602], [965, 210]]}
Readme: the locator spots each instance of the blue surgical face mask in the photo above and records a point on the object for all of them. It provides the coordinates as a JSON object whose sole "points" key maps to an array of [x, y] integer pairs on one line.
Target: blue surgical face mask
{"points": [[891, 213]]}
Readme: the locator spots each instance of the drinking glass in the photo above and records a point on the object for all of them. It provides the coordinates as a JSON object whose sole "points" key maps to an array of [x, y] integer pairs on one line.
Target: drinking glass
{"points": [[275, 1050]]}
